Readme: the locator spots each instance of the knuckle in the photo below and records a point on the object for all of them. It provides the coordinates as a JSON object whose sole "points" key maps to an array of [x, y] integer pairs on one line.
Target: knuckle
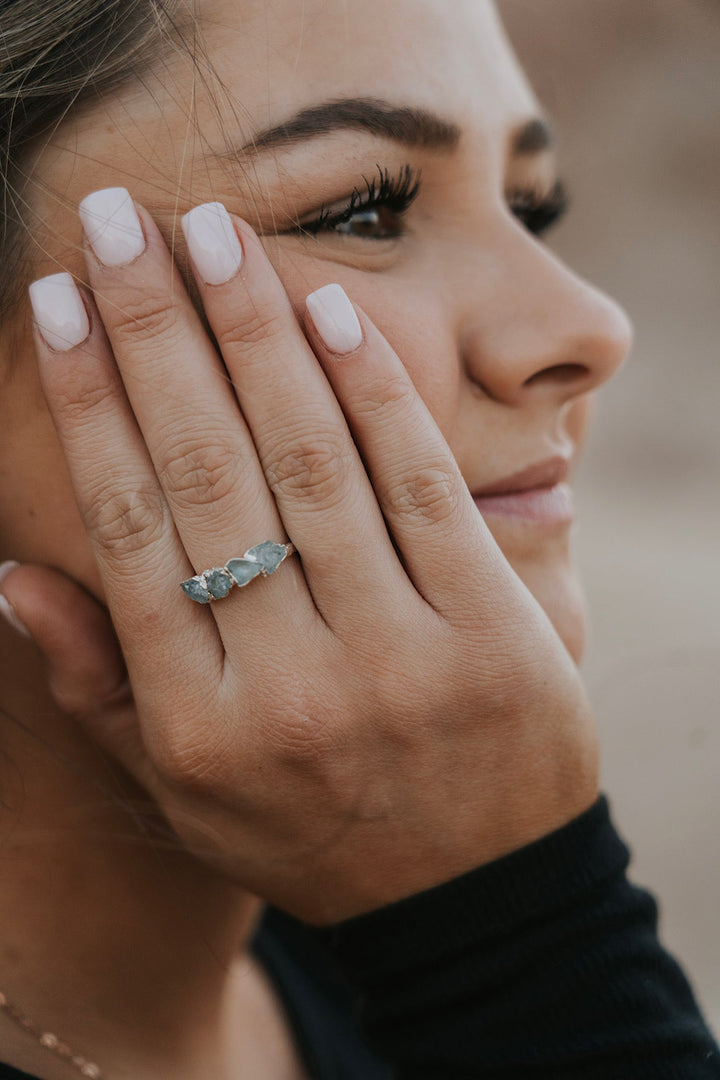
{"points": [[199, 474], [192, 748], [187, 762], [144, 315], [79, 400], [302, 739], [126, 522], [315, 467], [429, 496], [259, 328], [395, 398]]}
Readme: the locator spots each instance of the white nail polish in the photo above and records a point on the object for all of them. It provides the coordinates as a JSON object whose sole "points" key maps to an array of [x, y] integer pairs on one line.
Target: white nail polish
{"points": [[213, 243], [112, 226], [6, 609], [335, 319], [59, 311]]}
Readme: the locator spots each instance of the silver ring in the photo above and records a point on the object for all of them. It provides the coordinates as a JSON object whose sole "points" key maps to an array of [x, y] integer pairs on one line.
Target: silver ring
{"points": [[258, 561]]}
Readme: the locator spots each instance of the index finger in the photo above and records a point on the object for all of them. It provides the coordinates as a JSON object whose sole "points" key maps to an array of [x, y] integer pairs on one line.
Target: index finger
{"points": [[139, 553]]}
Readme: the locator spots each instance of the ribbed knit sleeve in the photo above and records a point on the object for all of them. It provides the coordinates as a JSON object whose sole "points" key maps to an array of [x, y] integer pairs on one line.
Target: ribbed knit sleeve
{"points": [[545, 963]]}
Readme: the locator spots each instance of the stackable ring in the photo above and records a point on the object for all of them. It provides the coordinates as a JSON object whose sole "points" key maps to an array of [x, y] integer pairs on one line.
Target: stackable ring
{"points": [[215, 584]]}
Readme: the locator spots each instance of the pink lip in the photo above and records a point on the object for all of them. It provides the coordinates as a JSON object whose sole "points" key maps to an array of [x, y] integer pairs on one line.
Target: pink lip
{"points": [[543, 474], [542, 505], [537, 493]]}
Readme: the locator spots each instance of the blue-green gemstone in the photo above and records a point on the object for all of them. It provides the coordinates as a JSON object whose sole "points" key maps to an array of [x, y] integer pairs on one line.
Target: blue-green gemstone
{"points": [[196, 589], [219, 583], [243, 570], [268, 554]]}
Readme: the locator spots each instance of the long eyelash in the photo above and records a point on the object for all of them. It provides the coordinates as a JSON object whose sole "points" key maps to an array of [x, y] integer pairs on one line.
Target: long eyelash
{"points": [[538, 212], [395, 193]]}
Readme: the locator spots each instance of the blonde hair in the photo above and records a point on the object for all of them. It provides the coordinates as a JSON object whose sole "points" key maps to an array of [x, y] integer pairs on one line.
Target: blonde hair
{"points": [[55, 55]]}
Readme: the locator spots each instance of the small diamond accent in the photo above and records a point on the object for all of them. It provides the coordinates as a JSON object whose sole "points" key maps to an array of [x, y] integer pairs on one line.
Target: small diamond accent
{"points": [[219, 582]]}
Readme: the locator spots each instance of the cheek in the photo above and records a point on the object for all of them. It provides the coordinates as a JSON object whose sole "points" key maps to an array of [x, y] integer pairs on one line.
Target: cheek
{"points": [[413, 320], [39, 518], [416, 327]]}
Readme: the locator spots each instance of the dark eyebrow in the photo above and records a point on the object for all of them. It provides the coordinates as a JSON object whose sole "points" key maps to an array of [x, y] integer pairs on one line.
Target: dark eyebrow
{"points": [[532, 138], [409, 126]]}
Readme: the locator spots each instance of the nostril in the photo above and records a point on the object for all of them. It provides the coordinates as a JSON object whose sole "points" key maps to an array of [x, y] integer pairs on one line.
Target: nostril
{"points": [[559, 373]]}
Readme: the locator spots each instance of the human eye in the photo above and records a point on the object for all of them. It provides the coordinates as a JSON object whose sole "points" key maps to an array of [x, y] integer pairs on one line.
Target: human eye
{"points": [[539, 211], [371, 212]]}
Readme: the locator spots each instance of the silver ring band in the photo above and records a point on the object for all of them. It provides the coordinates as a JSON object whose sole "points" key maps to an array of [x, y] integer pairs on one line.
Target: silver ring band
{"points": [[258, 561]]}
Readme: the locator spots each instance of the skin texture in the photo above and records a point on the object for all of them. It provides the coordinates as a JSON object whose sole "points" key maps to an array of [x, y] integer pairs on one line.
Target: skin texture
{"points": [[502, 342]]}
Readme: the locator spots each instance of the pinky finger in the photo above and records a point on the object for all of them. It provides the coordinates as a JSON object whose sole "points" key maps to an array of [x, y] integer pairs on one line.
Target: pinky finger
{"points": [[424, 499]]}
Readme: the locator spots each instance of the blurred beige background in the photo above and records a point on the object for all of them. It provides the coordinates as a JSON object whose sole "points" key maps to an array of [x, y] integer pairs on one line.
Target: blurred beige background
{"points": [[634, 88]]}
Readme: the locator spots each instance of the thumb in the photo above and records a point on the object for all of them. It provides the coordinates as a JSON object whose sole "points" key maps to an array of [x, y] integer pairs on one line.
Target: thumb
{"points": [[71, 629], [86, 669]]}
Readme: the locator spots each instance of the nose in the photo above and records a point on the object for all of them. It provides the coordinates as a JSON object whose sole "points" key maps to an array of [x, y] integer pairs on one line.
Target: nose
{"points": [[535, 330]]}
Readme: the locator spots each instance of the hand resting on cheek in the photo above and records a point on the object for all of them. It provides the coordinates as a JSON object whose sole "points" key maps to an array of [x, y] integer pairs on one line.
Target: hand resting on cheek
{"points": [[390, 707]]}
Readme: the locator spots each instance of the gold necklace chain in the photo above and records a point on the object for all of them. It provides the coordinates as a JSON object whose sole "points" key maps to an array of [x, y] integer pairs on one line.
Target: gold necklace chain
{"points": [[51, 1042]]}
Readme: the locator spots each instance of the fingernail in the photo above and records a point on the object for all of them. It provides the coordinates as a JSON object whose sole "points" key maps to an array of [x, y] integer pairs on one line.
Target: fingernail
{"points": [[213, 243], [59, 311], [6, 609], [112, 226], [334, 318]]}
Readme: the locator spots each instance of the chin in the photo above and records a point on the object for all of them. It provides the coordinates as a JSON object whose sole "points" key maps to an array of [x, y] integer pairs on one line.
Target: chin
{"points": [[559, 592], [549, 574], [545, 565]]}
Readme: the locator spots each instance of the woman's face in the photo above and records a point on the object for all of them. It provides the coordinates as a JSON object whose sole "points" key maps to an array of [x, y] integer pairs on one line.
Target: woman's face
{"points": [[290, 107]]}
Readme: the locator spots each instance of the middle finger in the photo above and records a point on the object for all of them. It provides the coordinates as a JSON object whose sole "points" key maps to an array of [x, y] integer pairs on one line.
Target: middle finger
{"points": [[183, 401]]}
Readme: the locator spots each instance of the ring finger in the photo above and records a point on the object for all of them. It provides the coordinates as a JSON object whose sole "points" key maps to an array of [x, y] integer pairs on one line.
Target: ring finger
{"points": [[308, 455]]}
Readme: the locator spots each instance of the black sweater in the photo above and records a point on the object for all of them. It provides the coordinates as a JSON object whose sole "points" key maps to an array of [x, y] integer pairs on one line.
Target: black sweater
{"points": [[544, 964]]}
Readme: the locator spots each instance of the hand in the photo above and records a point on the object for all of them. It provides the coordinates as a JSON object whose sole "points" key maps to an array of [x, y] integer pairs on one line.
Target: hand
{"points": [[392, 707]]}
